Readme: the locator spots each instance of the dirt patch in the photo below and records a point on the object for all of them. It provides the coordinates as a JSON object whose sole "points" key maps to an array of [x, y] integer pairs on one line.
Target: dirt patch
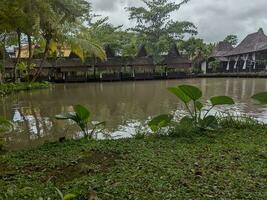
{"points": [[6, 171], [91, 162]]}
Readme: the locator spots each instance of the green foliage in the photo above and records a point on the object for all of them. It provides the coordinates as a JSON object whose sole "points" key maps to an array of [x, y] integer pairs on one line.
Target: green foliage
{"points": [[5, 126], [231, 39], [56, 24], [221, 100], [239, 122], [156, 29], [180, 94], [191, 91], [65, 197], [159, 122], [81, 116], [25, 69], [260, 97], [214, 65], [191, 94], [226, 165], [9, 88], [197, 50]]}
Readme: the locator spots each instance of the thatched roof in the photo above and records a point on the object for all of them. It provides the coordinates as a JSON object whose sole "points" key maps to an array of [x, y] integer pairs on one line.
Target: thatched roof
{"points": [[173, 57], [73, 55], [221, 49], [109, 52], [142, 52], [142, 58], [252, 43], [69, 62], [116, 61]]}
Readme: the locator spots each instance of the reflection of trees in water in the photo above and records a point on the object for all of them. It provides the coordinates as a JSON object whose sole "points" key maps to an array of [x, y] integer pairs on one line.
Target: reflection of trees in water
{"points": [[115, 103]]}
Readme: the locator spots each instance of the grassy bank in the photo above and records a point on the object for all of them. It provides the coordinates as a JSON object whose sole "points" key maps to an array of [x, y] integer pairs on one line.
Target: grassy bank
{"points": [[9, 88], [230, 164]]}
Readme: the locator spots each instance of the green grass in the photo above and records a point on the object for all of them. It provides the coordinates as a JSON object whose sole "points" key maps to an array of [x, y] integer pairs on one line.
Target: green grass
{"points": [[228, 164], [8, 88]]}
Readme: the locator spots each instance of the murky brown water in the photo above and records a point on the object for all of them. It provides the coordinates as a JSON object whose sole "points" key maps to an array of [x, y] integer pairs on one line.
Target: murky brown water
{"points": [[117, 103]]}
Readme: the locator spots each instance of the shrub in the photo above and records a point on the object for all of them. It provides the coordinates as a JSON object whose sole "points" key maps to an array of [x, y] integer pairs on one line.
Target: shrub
{"points": [[81, 116], [197, 115]]}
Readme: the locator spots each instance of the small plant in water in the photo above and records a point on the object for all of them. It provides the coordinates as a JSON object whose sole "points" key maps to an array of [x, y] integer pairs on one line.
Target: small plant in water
{"points": [[5, 126], [198, 116], [81, 116], [261, 97]]}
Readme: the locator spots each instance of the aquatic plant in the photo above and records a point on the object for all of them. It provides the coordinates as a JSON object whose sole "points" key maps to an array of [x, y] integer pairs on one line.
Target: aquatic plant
{"points": [[239, 122], [81, 116], [8, 88], [5, 126], [197, 115], [260, 97]]}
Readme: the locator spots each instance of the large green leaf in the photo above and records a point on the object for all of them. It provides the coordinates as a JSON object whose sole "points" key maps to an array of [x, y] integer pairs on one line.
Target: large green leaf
{"points": [[209, 122], [68, 115], [5, 125], [199, 105], [69, 196], [187, 121], [191, 91], [261, 97], [82, 112], [180, 94], [159, 122], [221, 100]]}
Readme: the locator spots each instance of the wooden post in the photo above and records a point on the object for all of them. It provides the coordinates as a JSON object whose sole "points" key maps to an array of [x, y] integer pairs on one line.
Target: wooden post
{"points": [[228, 64], [245, 62]]}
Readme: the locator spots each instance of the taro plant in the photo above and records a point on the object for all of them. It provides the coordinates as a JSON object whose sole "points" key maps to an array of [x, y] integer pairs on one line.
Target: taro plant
{"points": [[197, 115], [159, 122], [260, 97], [81, 116], [5, 126]]}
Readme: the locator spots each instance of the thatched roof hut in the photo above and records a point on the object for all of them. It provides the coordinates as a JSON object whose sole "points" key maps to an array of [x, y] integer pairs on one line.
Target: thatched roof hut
{"points": [[112, 61], [252, 43], [221, 49], [173, 59], [142, 59]]}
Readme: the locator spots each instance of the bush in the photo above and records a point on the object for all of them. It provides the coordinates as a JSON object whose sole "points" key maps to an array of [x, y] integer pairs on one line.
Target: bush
{"points": [[239, 122], [9, 88]]}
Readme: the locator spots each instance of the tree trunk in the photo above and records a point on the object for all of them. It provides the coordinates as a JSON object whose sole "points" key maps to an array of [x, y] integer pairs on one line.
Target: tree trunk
{"points": [[2, 79], [19, 54], [42, 61], [30, 56]]}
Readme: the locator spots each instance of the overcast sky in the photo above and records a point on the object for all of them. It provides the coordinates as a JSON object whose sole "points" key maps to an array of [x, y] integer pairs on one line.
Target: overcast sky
{"points": [[214, 18]]}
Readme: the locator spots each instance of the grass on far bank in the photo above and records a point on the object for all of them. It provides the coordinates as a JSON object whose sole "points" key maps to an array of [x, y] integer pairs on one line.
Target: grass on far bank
{"points": [[228, 164], [8, 88]]}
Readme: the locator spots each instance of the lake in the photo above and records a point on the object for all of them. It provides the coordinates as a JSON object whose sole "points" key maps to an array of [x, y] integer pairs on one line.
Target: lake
{"points": [[121, 104]]}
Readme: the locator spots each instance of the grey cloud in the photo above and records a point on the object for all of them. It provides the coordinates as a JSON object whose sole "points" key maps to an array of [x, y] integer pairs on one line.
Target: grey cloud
{"points": [[214, 18]]}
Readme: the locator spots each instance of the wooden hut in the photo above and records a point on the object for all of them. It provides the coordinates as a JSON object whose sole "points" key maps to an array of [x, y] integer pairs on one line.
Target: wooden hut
{"points": [[249, 56], [218, 53], [47, 73], [142, 65], [176, 66], [110, 69], [71, 70]]}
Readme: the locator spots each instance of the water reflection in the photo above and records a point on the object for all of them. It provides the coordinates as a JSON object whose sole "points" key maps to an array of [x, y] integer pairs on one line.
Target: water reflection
{"points": [[116, 103]]}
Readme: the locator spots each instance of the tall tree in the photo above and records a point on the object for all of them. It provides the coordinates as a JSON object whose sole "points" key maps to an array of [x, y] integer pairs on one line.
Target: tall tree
{"points": [[155, 27], [231, 39], [196, 49], [123, 42]]}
